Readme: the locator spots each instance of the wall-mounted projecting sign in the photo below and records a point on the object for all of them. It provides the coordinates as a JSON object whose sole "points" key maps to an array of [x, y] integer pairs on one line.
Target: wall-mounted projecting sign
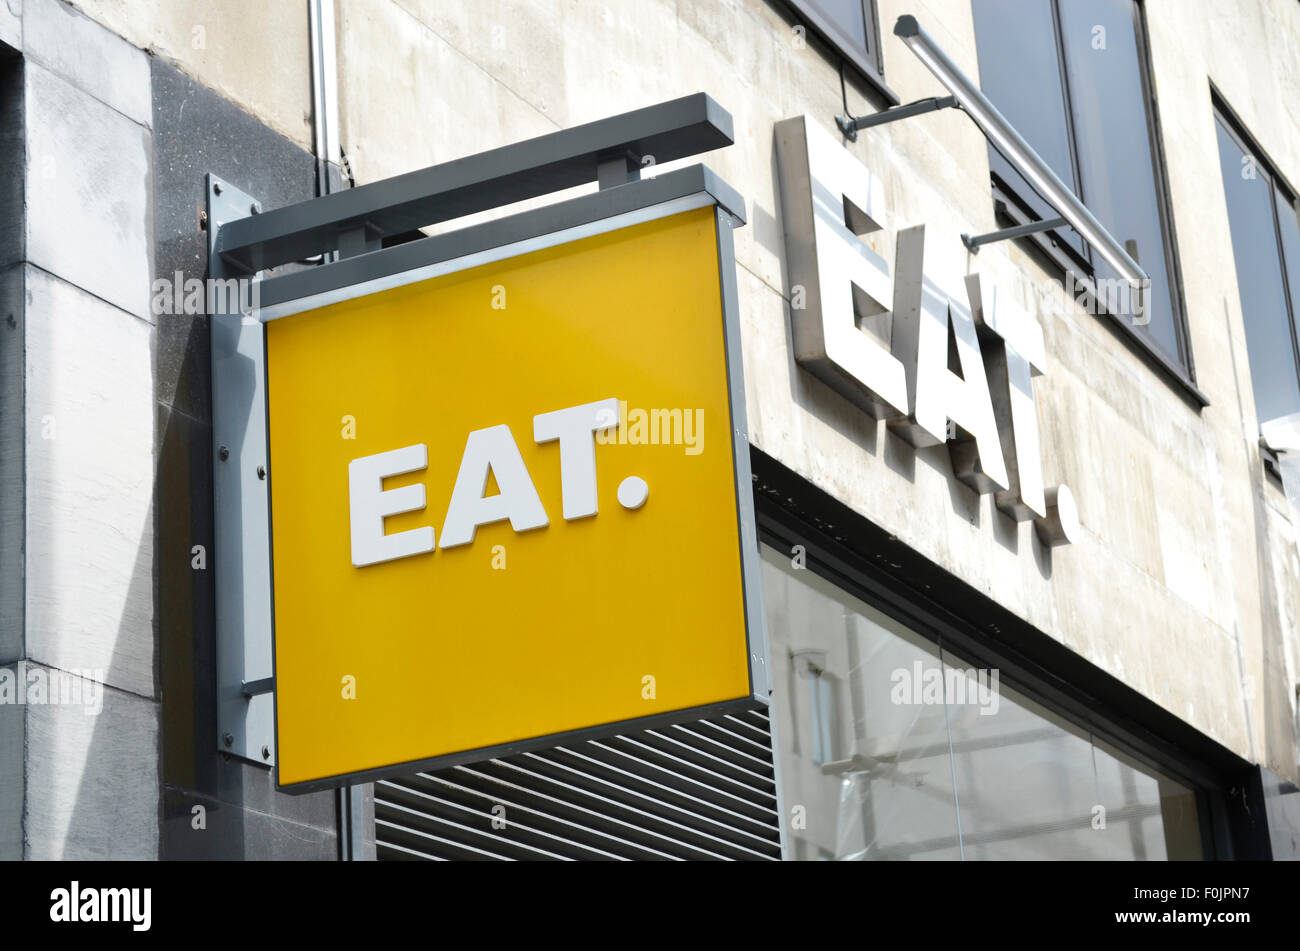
{"points": [[509, 482]]}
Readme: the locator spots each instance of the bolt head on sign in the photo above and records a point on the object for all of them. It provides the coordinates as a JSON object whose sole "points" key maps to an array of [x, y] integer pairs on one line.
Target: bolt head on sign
{"points": [[585, 428]]}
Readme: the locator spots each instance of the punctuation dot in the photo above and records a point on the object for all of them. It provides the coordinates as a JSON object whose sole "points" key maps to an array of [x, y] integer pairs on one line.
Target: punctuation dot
{"points": [[632, 492]]}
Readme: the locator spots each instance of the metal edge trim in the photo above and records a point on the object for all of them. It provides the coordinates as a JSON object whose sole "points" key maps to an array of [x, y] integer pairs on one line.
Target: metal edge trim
{"points": [[493, 241]]}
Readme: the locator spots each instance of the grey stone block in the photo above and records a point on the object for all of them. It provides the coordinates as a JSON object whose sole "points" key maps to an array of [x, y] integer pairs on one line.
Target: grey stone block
{"points": [[92, 780], [87, 192], [90, 57], [11, 463], [90, 442], [197, 827]]}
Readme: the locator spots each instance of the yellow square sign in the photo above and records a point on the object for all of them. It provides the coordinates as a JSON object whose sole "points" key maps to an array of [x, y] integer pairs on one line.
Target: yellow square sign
{"points": [[504, 505]]}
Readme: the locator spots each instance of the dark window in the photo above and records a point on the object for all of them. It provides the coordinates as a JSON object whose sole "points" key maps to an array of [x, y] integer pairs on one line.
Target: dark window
{"points": [[1266, 248], [1070, 75], [850, 27]]}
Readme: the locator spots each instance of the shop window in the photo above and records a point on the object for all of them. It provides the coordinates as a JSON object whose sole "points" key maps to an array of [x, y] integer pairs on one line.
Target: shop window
{"points": [[1265, 231], [938, 759], [1071, 76]]}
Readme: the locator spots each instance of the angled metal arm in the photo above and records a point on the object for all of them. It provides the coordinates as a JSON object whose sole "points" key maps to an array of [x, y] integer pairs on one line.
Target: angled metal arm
{"points": [[973, 242], [608, 150], [851, 126]]}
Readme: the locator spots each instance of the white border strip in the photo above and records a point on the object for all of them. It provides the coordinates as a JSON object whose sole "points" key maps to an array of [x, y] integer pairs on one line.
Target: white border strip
{"points": [[450, 266]]}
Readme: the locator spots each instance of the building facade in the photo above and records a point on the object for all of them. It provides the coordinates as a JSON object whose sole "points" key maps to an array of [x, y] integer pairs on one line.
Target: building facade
{"points": [[960, 669]]}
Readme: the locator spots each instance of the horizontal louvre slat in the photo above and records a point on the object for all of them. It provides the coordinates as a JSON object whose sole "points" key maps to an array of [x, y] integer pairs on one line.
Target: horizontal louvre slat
{"points": [[648, 804], [682, 758], [747, 728], [699, 790], [419, 840], [588, 793], [733, 736], [416, 820], [669, 790], [566, 802], [540, 811], [477, 824], [391, 852]]}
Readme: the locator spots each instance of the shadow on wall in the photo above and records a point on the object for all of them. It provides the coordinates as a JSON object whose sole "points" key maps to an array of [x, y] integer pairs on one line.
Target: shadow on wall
{"points": [[212, 805]]}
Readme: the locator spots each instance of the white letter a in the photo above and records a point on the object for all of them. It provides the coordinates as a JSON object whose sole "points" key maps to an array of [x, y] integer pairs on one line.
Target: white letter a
{"points": [[494, 451]]}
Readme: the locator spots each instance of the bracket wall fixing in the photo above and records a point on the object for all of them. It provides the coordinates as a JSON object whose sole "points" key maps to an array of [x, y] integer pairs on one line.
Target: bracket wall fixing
{"points": [[241, 500], [851, 126], [973, 242]]}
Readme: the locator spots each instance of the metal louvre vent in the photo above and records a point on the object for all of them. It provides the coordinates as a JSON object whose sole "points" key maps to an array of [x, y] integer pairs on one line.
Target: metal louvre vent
{"points": [[699, 790]]}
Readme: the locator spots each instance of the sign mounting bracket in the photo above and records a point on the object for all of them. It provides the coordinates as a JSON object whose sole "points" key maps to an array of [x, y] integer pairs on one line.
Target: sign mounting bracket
{"points": [[973, 242], [241, 498]]}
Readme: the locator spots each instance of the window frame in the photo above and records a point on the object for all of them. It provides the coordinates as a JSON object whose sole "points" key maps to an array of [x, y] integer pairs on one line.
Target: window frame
{"points": [[1011, 208], [869, 62], [1223, 114]]}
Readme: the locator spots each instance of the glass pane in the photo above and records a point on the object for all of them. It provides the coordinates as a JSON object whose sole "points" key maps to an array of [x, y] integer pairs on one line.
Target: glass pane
{"points": [[1259, 280], [885, 792], [847, 16], [1148, 816], [1116, 166], [1020, 72], [872, 723], [1026, 786]]}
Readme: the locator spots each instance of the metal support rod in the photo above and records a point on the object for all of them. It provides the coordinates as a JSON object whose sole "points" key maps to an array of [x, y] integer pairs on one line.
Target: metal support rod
{"points": [[850, 126], [617, 169], [973, 242], [252, 688]]}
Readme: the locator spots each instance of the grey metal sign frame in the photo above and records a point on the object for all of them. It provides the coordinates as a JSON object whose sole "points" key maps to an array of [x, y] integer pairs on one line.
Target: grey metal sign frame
{"points": [[353, 223]]}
